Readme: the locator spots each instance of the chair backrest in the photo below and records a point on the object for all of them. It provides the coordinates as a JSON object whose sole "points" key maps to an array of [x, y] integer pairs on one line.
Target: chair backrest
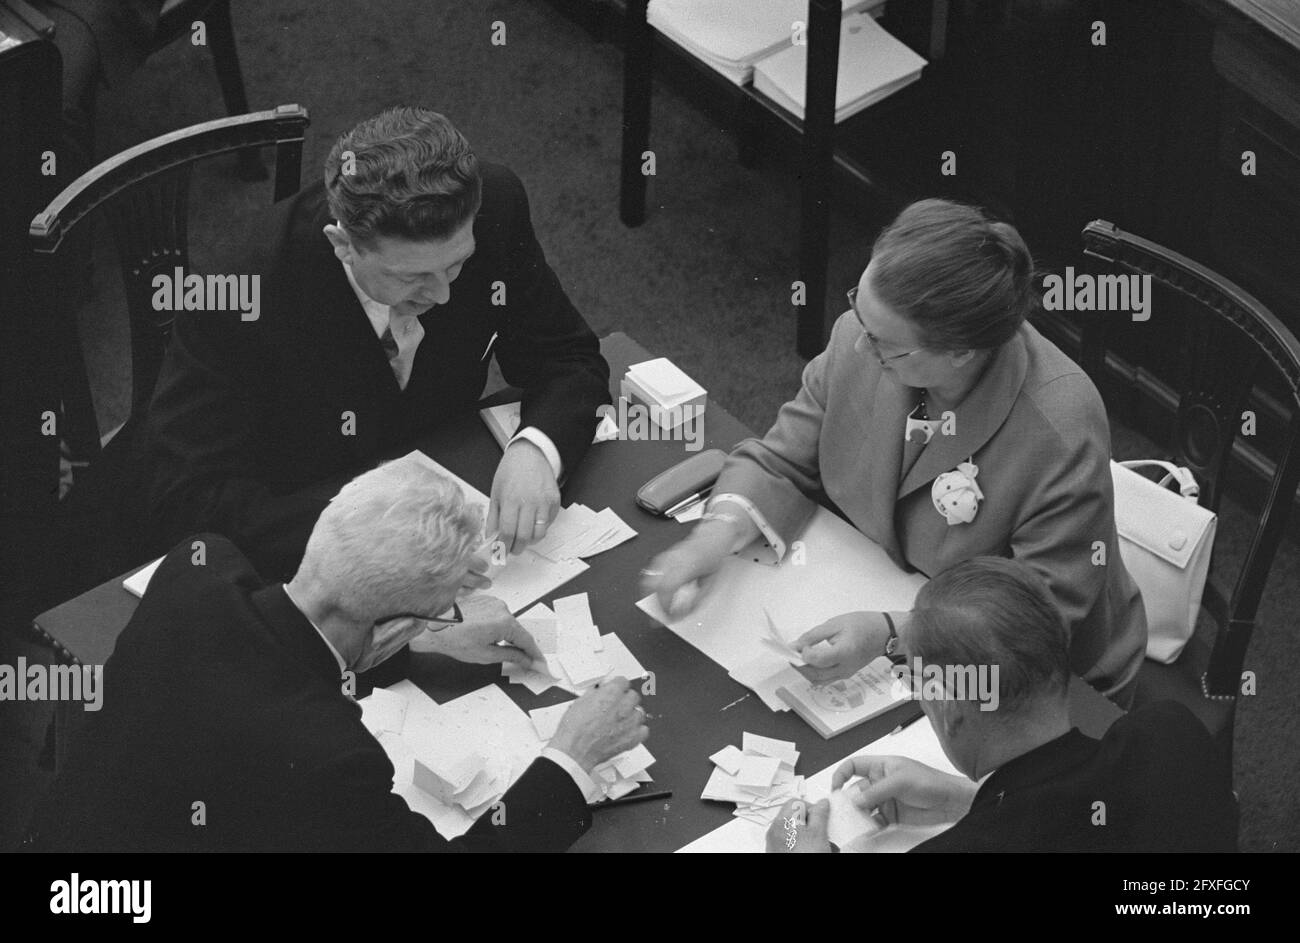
{"points": [[1234, 356], [144, 191]]}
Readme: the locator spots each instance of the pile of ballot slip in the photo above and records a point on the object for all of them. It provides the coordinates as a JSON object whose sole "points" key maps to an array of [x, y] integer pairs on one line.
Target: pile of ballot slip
{"points": [[453, 762], [578, 532], [671, 396], [758, 777], [577, 656]]}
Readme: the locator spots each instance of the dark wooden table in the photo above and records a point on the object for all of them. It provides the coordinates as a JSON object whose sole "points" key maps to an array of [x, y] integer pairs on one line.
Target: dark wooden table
{"points": [[696, 707]]}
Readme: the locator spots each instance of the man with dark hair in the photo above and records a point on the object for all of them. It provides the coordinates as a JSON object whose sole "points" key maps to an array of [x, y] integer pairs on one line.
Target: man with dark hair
{"points": [[335, 371], [1032, 782]]}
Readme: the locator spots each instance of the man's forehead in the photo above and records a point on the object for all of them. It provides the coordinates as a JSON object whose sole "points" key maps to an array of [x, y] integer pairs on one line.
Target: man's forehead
{"points": [[411, 255]]}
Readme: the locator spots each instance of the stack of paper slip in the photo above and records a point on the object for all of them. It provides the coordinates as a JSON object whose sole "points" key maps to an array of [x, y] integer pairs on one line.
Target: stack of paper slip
{"points": [[671, 396], [577, 655], [758, 777], [578, 532], [872, 66], [729, 36], [616, 777]]}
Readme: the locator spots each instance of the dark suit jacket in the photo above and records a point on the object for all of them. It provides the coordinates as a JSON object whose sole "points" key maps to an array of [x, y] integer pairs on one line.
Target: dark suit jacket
{"points": [[1156, 770], [220, 691], [248, 414]]}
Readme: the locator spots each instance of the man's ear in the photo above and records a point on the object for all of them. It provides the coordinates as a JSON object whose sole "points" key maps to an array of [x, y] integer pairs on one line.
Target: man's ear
{"points": [[948, 712], [342, 243], [960, 358]]}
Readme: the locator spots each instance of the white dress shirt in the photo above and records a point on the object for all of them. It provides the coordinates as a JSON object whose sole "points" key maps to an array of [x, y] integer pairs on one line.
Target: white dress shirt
{"points": [[407, 333]]}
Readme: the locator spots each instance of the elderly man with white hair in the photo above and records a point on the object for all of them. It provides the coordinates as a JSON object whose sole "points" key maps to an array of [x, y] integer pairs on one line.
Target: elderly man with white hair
{"points": [[227, 723]]}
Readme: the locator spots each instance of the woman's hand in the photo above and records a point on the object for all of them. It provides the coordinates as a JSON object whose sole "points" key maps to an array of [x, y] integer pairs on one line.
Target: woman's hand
{"points": [[840, 646], [670, 575], [904, 791]]}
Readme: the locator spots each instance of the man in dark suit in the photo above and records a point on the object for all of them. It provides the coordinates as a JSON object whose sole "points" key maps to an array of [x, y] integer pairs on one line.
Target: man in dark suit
{"points": [[226, 723], [334, 370], [1153, 783]]}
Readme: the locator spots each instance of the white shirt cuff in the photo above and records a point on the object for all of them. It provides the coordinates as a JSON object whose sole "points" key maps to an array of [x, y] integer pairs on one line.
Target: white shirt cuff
{"points": [[543, 442], [586, 785], [755, 515]]}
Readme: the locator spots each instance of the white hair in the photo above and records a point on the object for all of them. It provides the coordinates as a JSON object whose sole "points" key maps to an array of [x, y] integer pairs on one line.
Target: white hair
{"points": [[395, 539]]}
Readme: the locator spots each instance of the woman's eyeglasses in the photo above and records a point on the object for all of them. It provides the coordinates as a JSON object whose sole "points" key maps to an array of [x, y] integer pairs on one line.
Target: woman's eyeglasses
{"points": [[871, 338], [453, 617]]}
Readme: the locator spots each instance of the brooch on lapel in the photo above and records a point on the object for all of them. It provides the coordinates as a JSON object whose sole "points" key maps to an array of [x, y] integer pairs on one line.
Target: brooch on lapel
{"points": [[956, 495]]}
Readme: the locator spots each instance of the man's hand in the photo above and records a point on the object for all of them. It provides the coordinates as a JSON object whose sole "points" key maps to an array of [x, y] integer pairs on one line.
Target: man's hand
{"points": [[601, 724], [906, 792], [487, 622], [798, 829], [525, 497], [840, 646]]}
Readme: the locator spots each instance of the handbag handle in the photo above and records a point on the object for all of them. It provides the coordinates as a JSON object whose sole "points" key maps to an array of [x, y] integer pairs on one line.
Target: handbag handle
{"points": [[1187, 485]]}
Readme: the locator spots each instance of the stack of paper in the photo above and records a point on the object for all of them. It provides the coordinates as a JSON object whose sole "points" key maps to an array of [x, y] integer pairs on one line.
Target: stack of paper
{"points": [[577, 655], [672, 397], [503, 422], [616, 777], [731, 35], [578, 532], [758, 777], [837, 706], [873, 65]]}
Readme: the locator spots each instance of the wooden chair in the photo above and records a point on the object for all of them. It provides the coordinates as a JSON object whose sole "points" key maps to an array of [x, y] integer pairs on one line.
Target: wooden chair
{"points": [[144, 193], [1234, 355], [175, 21]]}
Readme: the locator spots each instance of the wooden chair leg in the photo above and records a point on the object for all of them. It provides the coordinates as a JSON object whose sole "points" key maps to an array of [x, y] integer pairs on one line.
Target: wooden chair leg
{"points": [[221, 39], [637, 56], [818, 165]]}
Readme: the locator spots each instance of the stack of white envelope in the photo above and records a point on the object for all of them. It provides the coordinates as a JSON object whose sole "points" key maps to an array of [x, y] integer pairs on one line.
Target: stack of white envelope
{"points": [[758, 777], [671, 396], [577, 655]]}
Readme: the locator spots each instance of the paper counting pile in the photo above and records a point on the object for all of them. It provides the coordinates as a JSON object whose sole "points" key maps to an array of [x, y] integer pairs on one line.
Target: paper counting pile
{"points": [[758, 777], [616, 777], [577, 655], [579, 532]]}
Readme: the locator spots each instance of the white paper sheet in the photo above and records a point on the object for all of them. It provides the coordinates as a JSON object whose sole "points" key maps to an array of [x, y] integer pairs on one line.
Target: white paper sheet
{"points": [[917, 742]]}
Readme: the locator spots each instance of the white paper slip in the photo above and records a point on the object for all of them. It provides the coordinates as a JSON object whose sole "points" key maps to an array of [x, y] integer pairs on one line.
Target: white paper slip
{"points": [[757, 772], [546, 720], [619, 659], [847, 822], [582, 668], [727, 759], [783, 750], [138, 582], [534, 679], [382, 710], [633, 761]]}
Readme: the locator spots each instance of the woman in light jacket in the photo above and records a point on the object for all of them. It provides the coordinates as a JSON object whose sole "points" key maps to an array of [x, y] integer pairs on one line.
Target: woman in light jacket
{"points": [[945, 427]]}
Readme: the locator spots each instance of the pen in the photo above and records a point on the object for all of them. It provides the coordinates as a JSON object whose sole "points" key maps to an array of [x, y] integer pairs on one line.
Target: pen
{"points": [[635, 797], [905, 724], [687, 502]]}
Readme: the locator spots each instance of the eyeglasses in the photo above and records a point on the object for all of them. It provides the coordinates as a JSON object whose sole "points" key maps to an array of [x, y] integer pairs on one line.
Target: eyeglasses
{"points": [[871, 338], [454, 618]]}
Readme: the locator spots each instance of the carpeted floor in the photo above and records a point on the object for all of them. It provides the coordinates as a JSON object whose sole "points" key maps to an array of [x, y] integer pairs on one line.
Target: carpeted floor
{"points": [[705, 281]]}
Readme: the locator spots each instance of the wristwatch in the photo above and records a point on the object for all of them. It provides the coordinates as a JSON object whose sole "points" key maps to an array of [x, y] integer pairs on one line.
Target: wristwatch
{"points": [[891, 646]]}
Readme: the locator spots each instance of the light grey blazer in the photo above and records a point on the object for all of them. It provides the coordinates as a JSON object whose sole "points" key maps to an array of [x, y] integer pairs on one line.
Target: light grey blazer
{"points": [[1037, 430]]}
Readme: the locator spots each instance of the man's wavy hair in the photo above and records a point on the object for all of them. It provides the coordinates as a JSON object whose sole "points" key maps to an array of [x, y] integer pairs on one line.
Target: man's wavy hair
{"points": [[406, 173]]}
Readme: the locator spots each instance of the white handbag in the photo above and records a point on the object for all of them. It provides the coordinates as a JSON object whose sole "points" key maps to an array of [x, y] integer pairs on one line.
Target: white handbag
{"points": [[1165, 541]]}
